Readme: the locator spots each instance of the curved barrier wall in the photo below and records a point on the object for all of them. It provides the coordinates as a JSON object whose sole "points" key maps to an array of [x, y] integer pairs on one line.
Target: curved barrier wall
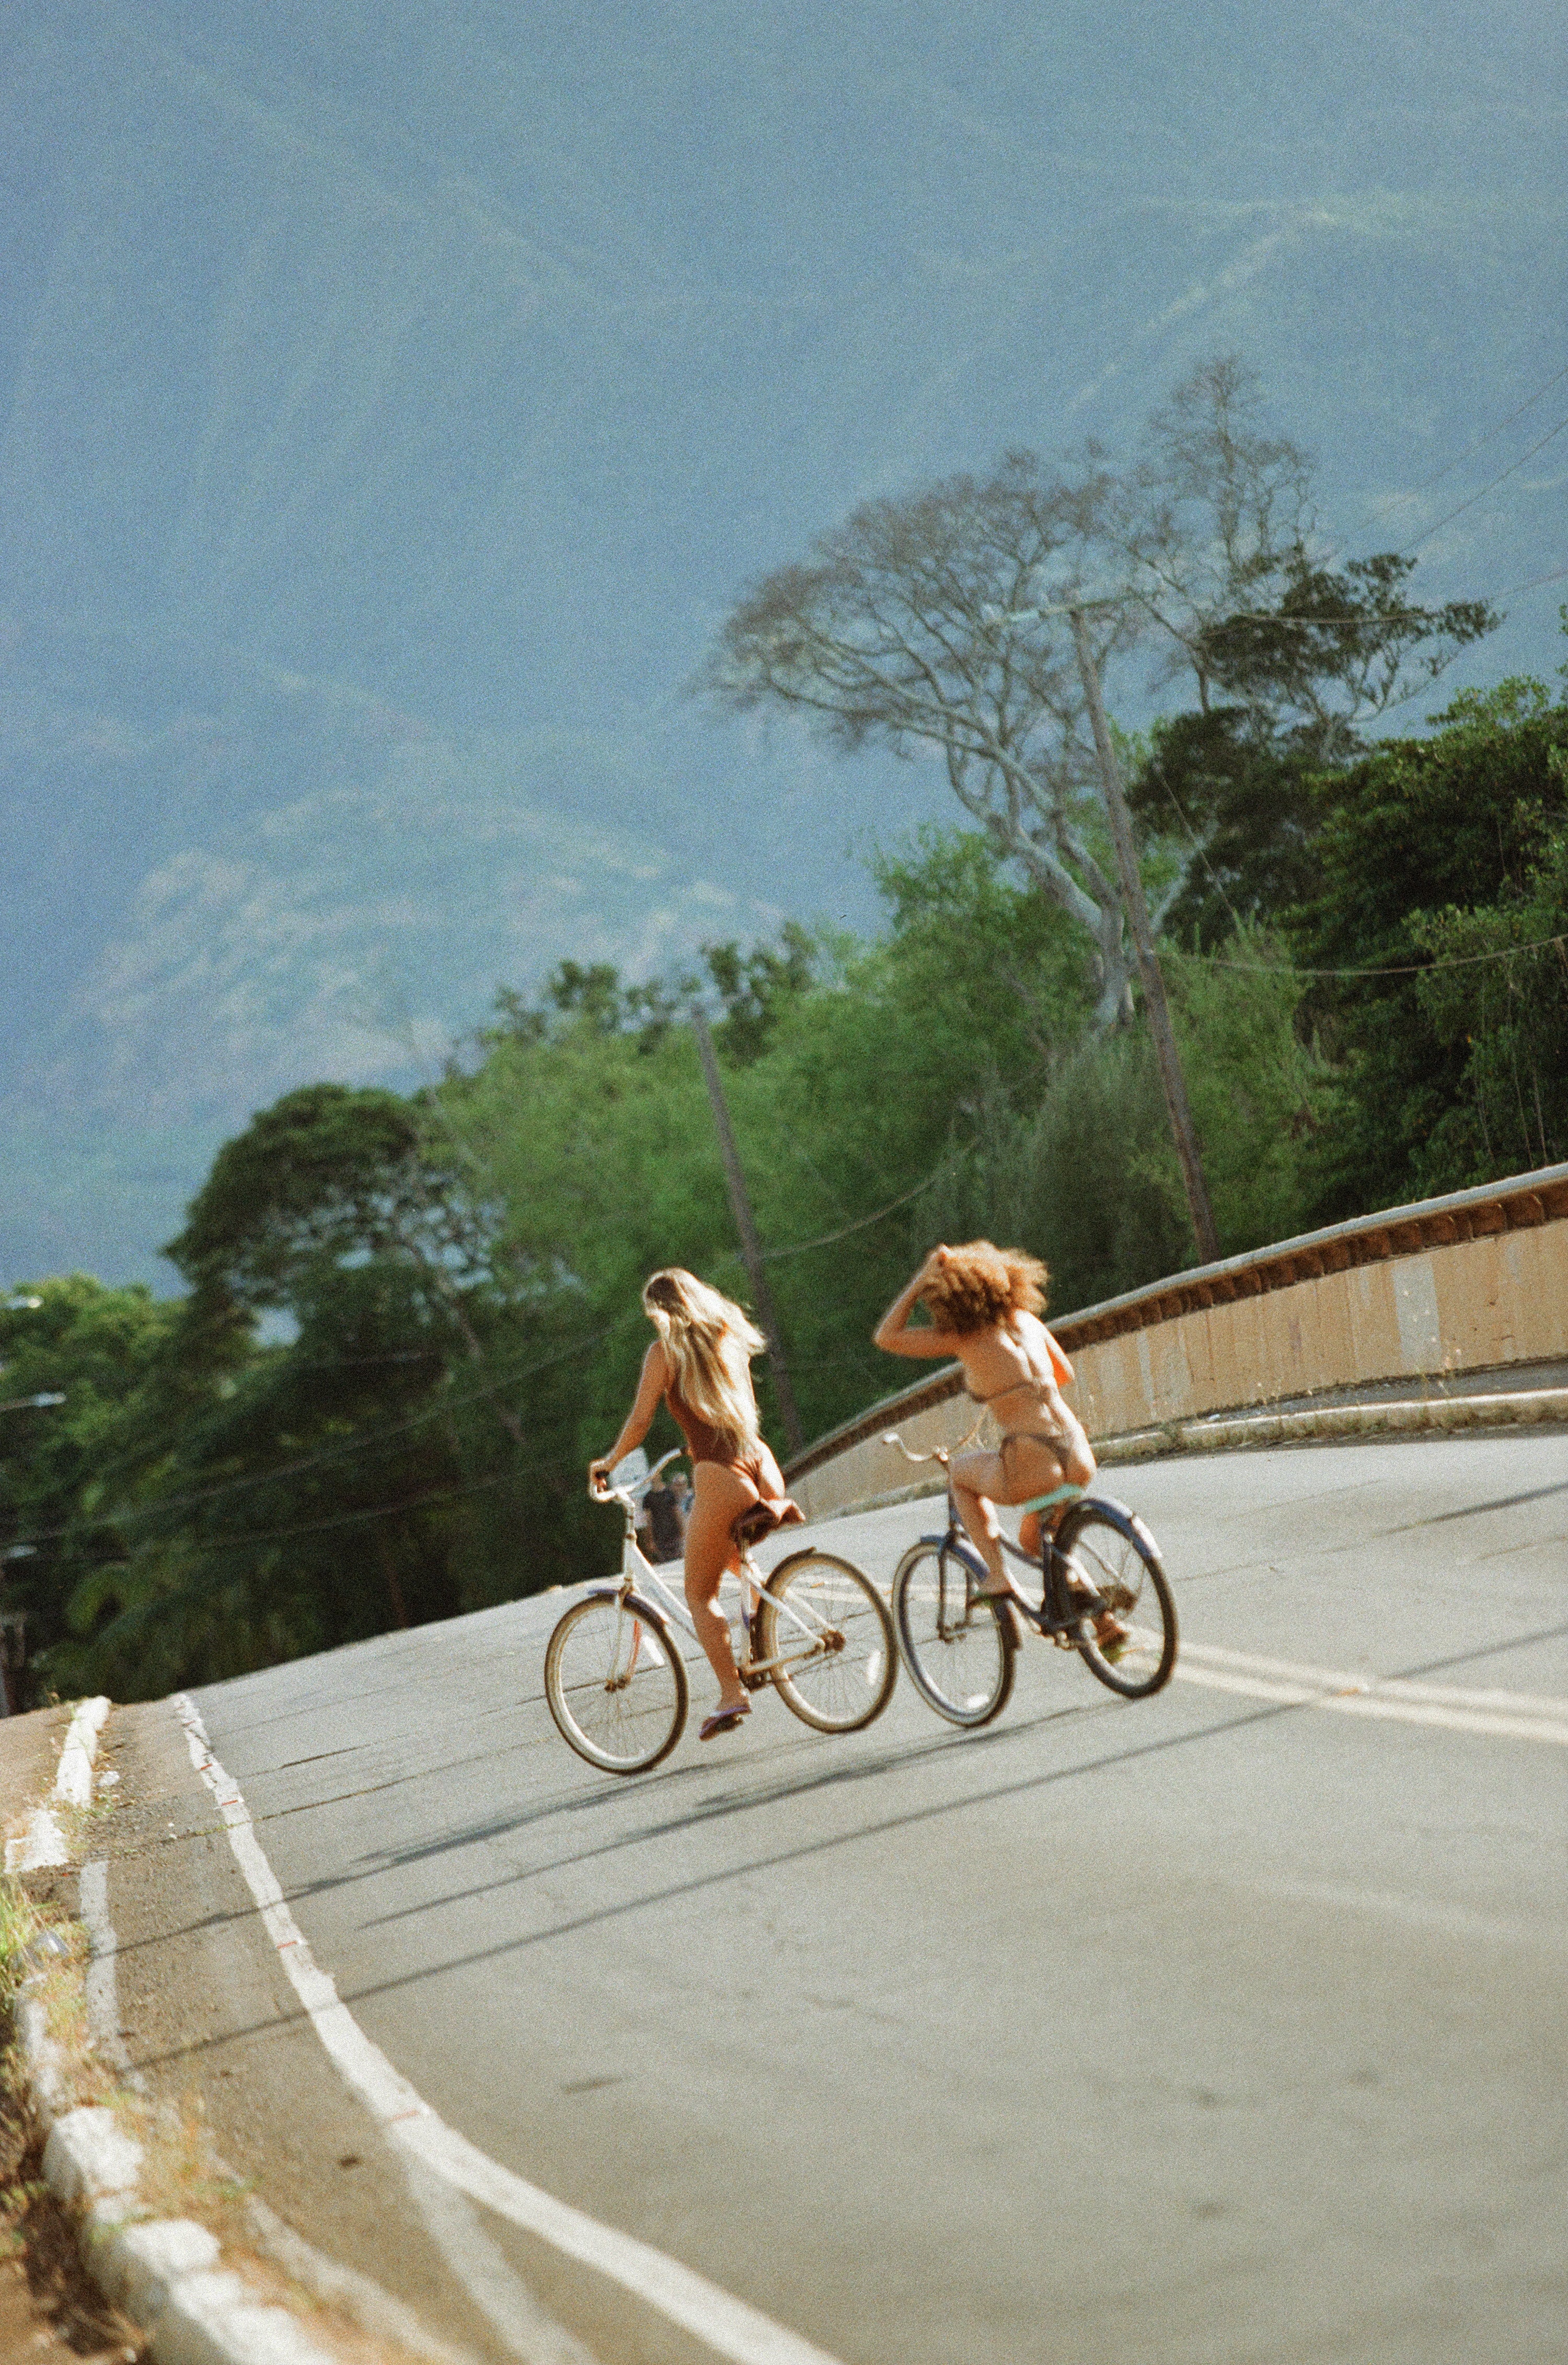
{"points": [[1470, 1283]]}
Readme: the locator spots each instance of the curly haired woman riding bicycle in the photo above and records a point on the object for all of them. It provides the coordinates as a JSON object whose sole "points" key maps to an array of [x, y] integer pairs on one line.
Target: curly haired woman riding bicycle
{"points": [[700, 1365], [984, 1305]]}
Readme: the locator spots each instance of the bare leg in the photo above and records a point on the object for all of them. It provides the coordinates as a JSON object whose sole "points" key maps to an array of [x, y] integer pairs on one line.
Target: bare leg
{"points": [[978, 1479], [1028, 1467], [720, 1496], [1036, 1526]]}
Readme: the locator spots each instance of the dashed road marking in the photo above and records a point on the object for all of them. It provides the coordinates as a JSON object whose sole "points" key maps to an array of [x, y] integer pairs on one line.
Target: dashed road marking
{"points": [[1499, 1715]]}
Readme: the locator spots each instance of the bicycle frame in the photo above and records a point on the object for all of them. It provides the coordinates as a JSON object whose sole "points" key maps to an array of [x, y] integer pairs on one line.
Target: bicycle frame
{"points": [[641, 1585], [1058, 1617]]}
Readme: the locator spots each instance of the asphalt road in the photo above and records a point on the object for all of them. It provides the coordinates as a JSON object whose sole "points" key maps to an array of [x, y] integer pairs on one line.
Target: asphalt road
{"points": [[1224, 2026]]}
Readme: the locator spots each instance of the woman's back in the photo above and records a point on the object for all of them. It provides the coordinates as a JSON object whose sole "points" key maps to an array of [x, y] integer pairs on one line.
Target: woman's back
{"points": [[1016, 1357]]}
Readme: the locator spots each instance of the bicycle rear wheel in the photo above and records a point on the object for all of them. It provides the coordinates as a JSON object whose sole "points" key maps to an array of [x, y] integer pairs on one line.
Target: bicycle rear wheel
{"points": [[830, 1628], [1109, 1547], [616, 1683], [960, 1652]]}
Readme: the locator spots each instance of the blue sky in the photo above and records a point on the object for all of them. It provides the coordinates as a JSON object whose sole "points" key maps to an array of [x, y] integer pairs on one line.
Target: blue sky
{"points": [[394, 397]]}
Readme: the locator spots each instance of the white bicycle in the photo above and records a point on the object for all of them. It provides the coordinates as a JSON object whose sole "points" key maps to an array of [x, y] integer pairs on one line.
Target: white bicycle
{"points": [[814, 1628]]}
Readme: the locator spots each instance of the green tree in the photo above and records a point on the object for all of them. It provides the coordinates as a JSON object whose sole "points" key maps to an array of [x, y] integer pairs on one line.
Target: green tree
{"points": [[1085, 1172], [399, 1457], [1287, 681], [1496, 995], [1425, 844], [72, 1474]]}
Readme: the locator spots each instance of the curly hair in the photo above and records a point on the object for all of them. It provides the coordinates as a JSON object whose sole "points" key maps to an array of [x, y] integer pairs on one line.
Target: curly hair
{"points": [[983, 1285]]}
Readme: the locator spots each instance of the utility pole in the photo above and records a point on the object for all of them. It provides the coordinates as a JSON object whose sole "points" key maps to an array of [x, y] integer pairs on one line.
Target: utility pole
{"points": [[1136, 910], [751, 1247]]}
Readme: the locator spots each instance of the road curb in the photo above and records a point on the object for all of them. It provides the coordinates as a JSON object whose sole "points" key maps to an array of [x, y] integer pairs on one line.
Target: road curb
{"points": [[42, 1846], [1519, 1407], [1425, 1415], [163, 2273]]}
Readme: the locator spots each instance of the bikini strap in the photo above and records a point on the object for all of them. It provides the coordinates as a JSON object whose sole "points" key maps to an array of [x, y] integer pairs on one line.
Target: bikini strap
{"points": [[1014, 1388]]}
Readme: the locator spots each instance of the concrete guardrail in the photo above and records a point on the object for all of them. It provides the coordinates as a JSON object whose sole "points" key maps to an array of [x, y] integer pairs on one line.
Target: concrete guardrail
{"points": [[1475, 1281]]}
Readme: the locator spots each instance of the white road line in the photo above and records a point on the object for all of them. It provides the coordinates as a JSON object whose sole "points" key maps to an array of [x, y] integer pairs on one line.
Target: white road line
{"points": [[1420, 1913], [726, 2325], [1500, 1715], [529, 2331]]}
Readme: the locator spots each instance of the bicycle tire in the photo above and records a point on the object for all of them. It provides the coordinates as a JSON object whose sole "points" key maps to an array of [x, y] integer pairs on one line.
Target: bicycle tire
{"points": [[1114, 1550], [623, 1723], [962, 1666], [838, 1690]]}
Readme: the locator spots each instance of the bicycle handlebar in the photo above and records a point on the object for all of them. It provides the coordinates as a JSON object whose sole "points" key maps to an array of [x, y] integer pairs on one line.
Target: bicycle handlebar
{"points": [[942, 1453], [631, 1496], [891, 1437]]}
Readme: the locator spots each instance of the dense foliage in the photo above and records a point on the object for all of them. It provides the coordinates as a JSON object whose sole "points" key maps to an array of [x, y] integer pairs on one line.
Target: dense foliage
{"points": [[1448, 850], [410, 1321]]}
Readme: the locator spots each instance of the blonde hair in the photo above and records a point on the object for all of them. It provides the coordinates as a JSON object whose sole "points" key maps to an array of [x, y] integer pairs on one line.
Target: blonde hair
{"points": [[709, 1341], [981, 1285]]}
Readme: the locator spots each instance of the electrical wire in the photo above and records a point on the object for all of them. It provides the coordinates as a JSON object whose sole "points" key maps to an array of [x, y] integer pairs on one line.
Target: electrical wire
{"points": [[1408, 969], [375, 1510], [1490, 484], [860, 1223], [1426, 483], [364, 1442]]}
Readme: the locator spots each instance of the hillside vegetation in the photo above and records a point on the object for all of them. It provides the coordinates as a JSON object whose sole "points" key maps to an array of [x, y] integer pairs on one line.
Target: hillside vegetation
{"points": [[410, 1321]]}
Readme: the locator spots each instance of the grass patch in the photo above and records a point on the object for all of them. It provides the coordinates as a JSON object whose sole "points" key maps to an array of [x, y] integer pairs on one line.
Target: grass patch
{"points": [[50, 2305]]}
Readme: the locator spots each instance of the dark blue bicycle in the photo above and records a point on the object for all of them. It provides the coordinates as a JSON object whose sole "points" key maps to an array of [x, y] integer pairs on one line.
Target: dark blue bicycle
{"points": [[1102, 1594]]}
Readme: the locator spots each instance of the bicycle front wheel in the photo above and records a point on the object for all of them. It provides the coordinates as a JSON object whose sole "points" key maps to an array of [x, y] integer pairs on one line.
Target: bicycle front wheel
{"points": [[616, 1683], [828, 1628], [1108, 1546], [959, 1653]]}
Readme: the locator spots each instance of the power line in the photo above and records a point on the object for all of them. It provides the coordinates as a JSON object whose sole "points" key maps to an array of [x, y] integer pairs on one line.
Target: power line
{"points": [[1409, 968], [860, 1223], [1490, 484], [365, 1441], [1425, 484], [1518, 589], [1367, 616], [227, 1545], [1437, 474], [374, 1510]]}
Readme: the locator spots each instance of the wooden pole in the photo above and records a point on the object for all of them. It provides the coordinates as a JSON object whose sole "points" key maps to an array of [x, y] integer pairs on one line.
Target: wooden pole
{"points": [[751, 1247], [1136, 909]]}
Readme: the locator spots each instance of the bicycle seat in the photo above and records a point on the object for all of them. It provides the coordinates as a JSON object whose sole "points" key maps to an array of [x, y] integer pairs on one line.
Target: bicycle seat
{"points": [[759, 1519]]}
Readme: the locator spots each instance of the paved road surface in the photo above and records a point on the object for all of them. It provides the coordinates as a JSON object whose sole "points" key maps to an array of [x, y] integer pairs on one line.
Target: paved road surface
{"points": [[1211, 2028]]}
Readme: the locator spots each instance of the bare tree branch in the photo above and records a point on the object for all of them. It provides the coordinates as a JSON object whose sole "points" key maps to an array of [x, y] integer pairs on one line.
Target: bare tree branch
{"points": [[908, 628]]}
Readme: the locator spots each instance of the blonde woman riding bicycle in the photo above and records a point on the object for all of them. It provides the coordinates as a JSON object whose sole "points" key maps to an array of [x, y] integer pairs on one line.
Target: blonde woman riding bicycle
{"points": [[700, 1365]]}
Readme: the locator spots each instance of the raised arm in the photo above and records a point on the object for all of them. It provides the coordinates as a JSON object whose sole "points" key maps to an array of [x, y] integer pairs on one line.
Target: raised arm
{"points": [[640, 1419], [892, 1333]]}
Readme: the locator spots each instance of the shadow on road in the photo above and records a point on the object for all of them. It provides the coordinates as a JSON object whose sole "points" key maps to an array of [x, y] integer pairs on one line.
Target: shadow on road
{"points": [[775, 1793]]}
